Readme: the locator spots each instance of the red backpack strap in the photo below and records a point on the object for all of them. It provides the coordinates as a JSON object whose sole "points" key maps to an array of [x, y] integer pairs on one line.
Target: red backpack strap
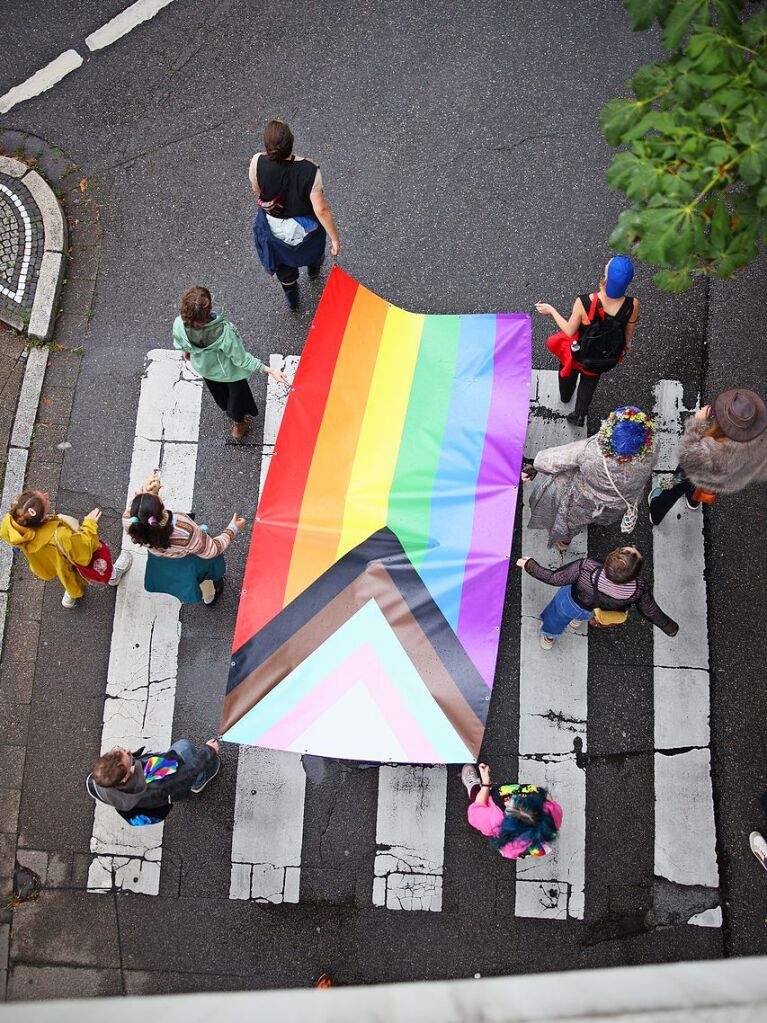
{"points": [[590, 307]]}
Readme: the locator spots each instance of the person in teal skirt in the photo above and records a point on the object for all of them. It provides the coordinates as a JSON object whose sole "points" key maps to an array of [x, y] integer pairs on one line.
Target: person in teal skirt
{"points": [[182, 559]]}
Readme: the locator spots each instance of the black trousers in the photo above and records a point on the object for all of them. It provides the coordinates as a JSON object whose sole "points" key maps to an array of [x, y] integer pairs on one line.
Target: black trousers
{"points": [[586, 387], [661, 505], [288, 275], [234, 398]]}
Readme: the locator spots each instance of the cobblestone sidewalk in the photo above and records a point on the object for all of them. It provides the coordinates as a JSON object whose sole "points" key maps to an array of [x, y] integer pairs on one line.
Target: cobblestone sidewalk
{"points": [[34, 455]]}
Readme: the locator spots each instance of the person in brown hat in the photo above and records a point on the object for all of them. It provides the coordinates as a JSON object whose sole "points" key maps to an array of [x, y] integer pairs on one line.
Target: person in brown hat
{"points": [[721, 451]]}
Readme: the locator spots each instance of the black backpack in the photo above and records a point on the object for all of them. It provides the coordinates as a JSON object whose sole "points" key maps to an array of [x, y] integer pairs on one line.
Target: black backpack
{"points": [[602, 342]]}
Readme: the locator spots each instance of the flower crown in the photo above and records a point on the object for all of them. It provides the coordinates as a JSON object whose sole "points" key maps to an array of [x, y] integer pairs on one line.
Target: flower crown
{"points": [[627, 414]]}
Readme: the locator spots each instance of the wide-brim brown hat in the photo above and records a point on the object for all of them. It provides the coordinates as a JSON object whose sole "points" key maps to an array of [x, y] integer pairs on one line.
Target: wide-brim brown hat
{"points": [[741, 414]]}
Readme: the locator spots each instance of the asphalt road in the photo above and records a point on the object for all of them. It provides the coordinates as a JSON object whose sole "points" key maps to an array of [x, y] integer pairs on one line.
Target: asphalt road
{"points": [[461, 154]]}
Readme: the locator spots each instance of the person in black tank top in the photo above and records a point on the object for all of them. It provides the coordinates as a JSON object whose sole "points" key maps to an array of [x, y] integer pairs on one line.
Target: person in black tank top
{"points": [[294, 218], [612, 301]]}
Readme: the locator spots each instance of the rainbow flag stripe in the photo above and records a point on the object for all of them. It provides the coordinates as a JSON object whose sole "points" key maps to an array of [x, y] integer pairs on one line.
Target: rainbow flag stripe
{"points": [[409, 424]]}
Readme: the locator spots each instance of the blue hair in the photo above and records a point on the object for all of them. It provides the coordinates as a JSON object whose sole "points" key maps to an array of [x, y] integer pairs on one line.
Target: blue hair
{"points": [[543, 830]]}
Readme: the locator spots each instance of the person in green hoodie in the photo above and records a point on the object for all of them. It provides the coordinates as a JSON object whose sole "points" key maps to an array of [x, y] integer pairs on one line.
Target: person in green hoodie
{"points": [[213, 347]]}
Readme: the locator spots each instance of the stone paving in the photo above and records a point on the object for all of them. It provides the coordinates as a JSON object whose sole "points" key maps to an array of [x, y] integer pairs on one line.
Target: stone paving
{"points": [[21, 247], [46, 453]]}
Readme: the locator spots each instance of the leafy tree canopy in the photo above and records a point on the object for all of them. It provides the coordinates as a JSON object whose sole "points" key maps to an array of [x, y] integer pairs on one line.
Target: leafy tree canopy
{"points": [[693, 158]]}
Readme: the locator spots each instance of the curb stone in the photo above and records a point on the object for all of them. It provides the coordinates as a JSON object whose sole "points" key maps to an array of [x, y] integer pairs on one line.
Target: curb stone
{"points": [[40, 401], [54, 232]]}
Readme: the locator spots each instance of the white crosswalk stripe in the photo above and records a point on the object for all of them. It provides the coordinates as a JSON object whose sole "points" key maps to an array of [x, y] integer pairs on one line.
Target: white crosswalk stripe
{"points": [[685, 832], [552, 697], [143, 661], [410, 837], [409, 867]]}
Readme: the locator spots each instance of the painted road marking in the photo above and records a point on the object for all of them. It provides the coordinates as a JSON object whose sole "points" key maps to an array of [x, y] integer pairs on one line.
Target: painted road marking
{"points": [[125, 22], [70, 60], [143, 661], [268, 826], [410, 837], [41, 80], [552, 695], [268, 830], [685, 830]]}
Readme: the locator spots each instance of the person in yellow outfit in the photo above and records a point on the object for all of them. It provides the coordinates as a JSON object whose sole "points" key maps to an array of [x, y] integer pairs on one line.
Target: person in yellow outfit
{"points": [[53, 544]]}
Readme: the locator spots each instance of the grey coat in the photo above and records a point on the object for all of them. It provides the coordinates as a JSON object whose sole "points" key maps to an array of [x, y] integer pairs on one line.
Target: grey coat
{"points": [[723, 467], [572, 490]]}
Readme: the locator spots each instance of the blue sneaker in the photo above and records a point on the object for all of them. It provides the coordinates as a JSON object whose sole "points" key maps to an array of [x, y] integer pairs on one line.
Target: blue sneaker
{"points": [[198, 788]]}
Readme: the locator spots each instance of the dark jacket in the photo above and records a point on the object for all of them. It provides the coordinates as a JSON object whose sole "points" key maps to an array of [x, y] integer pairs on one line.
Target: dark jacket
{"points": [[158, 796], [272, 251], [582, 576]]}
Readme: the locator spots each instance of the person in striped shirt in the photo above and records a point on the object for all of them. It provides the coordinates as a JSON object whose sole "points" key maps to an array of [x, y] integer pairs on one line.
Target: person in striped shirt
{"points": [[182, 558], [588, 585]]}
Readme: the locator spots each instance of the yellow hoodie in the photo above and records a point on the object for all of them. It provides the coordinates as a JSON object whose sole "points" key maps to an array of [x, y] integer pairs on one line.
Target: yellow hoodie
{"points": [[40, 548]]}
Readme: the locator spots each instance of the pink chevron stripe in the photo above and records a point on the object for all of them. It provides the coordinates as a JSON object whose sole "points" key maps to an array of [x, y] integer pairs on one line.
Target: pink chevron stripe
{"points": [[365, 666]]}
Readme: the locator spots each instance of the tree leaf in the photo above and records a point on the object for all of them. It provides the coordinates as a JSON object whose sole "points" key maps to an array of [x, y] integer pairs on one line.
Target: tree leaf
{"points": [[750, 167], [679, 22], [617, 117], [673, 280], [642, 13], [727, 12], [649, 80], [754, 31], [720, 226]]}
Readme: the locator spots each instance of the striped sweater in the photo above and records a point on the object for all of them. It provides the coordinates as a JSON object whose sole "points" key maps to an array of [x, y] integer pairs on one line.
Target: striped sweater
{"points": [[188, 538]]}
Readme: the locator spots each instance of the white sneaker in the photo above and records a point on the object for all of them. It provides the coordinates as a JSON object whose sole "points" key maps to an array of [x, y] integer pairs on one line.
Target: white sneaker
{"points": [[758, 847], [121, 566], [546, 642], [470, 777], [67, 601]]}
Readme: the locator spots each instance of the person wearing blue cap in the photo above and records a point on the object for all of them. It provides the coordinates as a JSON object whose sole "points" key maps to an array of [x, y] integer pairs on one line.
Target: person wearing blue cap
{"points": [[598, 479], [596, 337]]}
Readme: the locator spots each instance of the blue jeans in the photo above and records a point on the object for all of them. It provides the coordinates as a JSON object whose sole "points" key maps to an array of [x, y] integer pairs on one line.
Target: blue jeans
{"points": [[186, 750], [560, 611]]}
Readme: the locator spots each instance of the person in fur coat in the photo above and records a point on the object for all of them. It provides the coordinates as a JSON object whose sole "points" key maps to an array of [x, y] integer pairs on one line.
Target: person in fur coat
{"points": [[599, 479], [721, 451]]}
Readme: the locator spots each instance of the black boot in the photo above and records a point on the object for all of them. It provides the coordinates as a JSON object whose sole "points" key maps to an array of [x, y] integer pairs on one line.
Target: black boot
{"points": [[291, 294]]}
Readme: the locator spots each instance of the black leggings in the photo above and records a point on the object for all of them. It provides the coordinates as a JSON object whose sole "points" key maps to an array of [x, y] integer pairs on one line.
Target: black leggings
{"points": [[586, 388], [661, 505], [234, 398]]}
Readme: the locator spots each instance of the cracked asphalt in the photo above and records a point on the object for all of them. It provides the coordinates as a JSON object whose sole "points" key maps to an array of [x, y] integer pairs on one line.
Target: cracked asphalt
{"points": [[463, 161]]}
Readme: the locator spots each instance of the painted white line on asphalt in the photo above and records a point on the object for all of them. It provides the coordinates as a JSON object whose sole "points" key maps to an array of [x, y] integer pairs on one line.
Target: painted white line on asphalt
{"points": [[143, 661], [41, 80], [685, 830], [552, 695], [410, 837], [125, 22], [268, 826]]}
